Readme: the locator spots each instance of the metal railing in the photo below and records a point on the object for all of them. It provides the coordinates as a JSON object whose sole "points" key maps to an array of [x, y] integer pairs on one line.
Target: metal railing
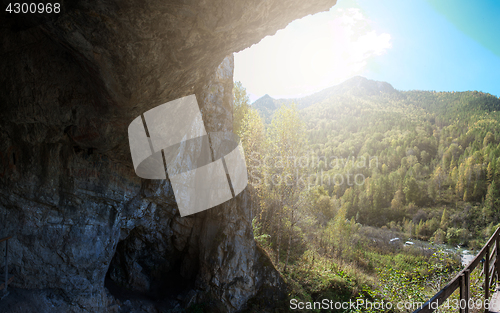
{"points": [[491, 271], [7, 281]]}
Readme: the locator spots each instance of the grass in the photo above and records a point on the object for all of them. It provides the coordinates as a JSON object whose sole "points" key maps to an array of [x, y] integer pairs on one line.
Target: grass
{"points": [[369, 273]]}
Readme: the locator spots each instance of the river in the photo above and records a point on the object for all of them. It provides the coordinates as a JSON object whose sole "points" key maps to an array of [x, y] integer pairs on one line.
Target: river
{"points": [[466, 255]]}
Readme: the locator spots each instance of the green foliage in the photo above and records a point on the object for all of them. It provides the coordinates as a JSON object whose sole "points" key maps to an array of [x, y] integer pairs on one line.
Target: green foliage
{"points": [[427, 166], [435, 149], [252, 134], [261, 238], [456, 236], [241, 105], [414, 278]]}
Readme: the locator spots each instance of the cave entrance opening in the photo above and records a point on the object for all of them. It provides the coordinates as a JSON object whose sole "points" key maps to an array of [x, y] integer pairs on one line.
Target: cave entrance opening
{"points": [[142, 271]]}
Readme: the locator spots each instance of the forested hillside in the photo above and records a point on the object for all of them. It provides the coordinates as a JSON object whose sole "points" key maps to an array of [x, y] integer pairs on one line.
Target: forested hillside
{"points": [[416, 154], [335, 178]]}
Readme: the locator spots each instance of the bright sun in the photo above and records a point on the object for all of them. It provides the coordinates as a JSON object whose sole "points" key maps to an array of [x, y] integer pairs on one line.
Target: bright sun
{"points": [[311, 54]]}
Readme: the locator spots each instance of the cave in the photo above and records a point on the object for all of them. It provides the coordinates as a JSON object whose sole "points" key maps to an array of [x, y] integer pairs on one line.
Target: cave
{"points": [[80, 218]]}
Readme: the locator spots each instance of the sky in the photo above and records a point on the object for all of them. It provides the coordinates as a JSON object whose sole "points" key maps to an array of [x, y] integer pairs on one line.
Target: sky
{"points": [[442, 45]]}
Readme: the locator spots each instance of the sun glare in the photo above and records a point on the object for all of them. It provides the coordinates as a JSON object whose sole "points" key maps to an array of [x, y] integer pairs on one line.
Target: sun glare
{"points": [[311, 54]]}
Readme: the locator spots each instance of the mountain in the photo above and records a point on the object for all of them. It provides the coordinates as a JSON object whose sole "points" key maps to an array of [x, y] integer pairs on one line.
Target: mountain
{"points": [[266, 106], [355, 86]]}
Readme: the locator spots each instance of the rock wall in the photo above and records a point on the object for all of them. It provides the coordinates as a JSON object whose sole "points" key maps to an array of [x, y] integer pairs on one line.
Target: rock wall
{"points": [[70, 85]]}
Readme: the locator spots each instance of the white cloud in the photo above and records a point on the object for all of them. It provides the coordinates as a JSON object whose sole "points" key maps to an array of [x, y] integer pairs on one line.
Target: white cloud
{"points": [[310, 54]]}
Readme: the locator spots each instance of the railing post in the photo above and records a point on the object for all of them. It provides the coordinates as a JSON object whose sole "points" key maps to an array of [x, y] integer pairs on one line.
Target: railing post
{"points": [[497, 260], [467, 290], [462, 293], [486, 271]]}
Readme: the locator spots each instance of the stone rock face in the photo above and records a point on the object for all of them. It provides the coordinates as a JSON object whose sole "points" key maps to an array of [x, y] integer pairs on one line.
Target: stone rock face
{"points": [[70, 85]]}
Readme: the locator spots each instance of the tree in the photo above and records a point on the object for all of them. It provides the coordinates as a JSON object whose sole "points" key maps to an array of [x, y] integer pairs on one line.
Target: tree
{"points": [[241, 105], [490, 202], [431, 190], [398, 201], [321, 206], [283, 174], [411, 190], [489, 138], [439, 236], [439, 177], [490, 171], [253, 138], [444, 220]]}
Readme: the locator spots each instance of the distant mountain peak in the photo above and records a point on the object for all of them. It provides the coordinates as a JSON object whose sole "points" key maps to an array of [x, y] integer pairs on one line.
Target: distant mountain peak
{"points": [[368, 86], [355, 86], [355, 78]]}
